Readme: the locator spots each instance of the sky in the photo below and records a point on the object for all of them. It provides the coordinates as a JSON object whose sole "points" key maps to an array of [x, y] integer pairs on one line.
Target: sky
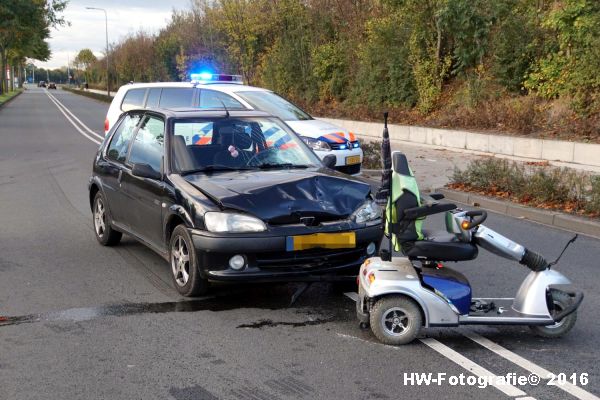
{"points": [[87, 28]]}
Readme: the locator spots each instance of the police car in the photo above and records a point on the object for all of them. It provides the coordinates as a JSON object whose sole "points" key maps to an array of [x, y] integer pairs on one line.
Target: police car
{"points": [[218, 91]]}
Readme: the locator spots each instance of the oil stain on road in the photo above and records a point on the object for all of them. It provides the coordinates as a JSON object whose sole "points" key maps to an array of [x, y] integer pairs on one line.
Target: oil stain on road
{"points": [[215, 304]]}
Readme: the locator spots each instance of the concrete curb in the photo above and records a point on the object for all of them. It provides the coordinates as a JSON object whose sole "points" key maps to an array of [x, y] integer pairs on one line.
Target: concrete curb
{"points": [[556, 219], [562, 153], [11, 99]]}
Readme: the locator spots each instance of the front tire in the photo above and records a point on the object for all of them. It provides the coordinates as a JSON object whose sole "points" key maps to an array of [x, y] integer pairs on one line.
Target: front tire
{"points": [[561, 301], [105, 234], [184, 266], [396, 320]]}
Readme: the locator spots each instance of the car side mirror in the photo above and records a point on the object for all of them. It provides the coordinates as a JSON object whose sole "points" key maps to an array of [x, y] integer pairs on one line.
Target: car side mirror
{"points": [[329, 161], [145, 171]]}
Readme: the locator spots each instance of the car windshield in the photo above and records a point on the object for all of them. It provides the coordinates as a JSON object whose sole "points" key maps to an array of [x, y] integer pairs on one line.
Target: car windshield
{"points": [[273, 104], [237, 144]]}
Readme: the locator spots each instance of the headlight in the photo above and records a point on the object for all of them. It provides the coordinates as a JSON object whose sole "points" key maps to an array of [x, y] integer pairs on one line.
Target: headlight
{"points": [[229, 222], [316, 144], [369, 211]]}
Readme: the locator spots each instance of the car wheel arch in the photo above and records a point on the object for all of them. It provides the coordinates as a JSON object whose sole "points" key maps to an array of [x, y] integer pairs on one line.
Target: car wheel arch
{"points": [[93, 190], [172, 222]]}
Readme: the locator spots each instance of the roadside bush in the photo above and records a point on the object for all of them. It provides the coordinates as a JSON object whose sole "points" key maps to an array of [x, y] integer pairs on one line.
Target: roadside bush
{"points": [[536, 184], [371, 154], [593, 203]]}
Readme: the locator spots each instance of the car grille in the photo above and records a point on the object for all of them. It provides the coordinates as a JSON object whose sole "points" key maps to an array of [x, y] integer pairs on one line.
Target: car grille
{"points": [[310, 259], [337, 146], [349, 169]]}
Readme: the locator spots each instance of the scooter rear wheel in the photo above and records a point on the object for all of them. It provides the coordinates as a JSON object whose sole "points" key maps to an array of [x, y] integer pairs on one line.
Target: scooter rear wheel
{"points": [[561, 301], [396, 320]]}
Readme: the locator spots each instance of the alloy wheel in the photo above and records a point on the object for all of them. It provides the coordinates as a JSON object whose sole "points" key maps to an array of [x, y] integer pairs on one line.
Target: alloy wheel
{"points": [[180, 261], [99, 218], [395, 321]]}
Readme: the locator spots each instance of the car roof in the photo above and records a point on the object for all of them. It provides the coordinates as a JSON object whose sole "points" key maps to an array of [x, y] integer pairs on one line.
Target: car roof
{"points": [[198, 113], [221, 87]]}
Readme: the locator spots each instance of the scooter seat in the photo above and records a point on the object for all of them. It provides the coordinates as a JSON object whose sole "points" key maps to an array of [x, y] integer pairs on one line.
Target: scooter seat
{"points": [[439, 236], [441, 251]]}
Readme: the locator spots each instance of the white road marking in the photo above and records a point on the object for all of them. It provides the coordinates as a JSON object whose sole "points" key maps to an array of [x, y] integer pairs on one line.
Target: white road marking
{"points": [[471, 366], [528, 365], [71, 121], [77, 119], [457, 358]]}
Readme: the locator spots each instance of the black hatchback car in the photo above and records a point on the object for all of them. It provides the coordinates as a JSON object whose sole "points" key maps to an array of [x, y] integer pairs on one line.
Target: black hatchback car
{"points": [[227, 196]]}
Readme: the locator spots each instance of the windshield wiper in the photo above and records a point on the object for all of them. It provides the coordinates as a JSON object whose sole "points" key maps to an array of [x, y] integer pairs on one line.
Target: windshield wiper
{"points": [[212, 168], [284, 165]]}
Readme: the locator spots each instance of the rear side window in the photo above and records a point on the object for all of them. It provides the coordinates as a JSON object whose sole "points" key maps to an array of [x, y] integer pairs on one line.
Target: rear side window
{"points": [[153, 98], [134, 98], [176, 97], [147, 148], [214, 99], [119, 144]]}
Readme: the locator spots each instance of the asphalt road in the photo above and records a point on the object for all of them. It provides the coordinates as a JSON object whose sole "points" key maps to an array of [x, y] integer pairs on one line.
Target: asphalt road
{"points": [[105, 323]]}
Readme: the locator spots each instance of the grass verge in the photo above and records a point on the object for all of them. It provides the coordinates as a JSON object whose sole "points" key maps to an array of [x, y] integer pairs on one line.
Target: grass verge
{"points": [[533, 184], [5, 97]]}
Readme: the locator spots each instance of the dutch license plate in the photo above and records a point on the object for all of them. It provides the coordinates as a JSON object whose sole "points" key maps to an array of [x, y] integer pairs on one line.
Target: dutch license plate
{"points": [[352, 160], [344, 240]]}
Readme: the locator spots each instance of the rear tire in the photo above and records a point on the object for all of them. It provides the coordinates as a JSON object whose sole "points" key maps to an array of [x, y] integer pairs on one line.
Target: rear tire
{"points": [[105, 234], [396, 320], [184, 266], [561, 301]]}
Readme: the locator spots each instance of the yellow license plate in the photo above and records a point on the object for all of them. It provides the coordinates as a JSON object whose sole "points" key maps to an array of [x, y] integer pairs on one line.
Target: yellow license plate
{"points": [[345, 240], [352, 160]]}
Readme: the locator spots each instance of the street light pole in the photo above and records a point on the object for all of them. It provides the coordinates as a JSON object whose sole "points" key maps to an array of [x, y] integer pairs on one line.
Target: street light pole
{"points": [[106, 26]]}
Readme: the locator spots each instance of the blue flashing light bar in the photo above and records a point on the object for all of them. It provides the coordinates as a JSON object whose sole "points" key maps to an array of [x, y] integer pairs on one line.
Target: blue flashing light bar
{"points": [[209, 77]]}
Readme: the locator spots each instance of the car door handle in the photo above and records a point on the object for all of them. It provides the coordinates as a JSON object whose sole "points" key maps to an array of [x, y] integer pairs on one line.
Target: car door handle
{"points": [[120, 176]]}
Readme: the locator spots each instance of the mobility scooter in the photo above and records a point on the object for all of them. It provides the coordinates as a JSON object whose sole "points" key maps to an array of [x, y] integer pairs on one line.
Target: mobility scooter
{"points": [[399, 295]]}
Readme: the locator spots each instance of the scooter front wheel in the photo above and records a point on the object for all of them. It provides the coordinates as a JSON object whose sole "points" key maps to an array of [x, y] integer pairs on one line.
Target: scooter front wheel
{"points": [[561, 301], [396, 320]]}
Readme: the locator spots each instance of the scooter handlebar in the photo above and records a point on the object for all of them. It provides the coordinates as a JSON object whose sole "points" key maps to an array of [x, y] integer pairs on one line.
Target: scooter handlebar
{"points": [[477, 218]]}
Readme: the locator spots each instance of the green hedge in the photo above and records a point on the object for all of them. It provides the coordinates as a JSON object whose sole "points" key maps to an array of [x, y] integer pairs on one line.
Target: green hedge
{"points": [[93, 95]]}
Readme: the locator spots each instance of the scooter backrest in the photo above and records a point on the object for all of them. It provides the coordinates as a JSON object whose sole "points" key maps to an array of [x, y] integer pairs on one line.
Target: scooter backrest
{"points": [[405, 195], [400, 163]]}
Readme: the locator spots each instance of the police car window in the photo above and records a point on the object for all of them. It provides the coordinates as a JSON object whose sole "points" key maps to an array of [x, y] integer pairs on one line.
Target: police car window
{"points": [[134, 98], [153, 98], [176, 97], [273, 104], [119, 144], [147, 148], [214, 99], [195, 133]]}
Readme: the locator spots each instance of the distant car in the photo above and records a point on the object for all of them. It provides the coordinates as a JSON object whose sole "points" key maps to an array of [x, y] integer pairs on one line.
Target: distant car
{"points": [[42, 84], [229, 196], [216, 91], [51, 85]]}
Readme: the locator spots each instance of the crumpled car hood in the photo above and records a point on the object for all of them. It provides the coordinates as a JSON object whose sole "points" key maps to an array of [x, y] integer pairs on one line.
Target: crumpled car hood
{"points": [[284, 196]]}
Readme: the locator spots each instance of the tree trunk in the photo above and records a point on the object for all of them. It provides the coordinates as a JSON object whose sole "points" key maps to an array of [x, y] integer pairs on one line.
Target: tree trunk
{"points": [[3, 70], [12, 78], [438, 50], [20, 75]]}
